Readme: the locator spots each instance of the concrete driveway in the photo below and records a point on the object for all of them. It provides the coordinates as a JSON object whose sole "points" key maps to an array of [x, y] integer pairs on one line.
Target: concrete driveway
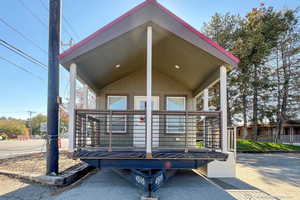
{"points": [[106, 185], [276, 174]]}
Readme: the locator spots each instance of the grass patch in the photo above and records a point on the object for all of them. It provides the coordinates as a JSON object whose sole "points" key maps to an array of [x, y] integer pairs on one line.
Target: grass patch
{"points": [[200, 145], [248, 145]]}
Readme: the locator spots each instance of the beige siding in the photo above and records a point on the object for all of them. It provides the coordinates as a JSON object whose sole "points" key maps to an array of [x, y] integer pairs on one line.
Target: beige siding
{"points": [[135, 85]]}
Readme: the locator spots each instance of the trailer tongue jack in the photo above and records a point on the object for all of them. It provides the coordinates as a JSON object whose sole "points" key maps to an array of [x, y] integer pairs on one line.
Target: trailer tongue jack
{"points": [[149, 180]]}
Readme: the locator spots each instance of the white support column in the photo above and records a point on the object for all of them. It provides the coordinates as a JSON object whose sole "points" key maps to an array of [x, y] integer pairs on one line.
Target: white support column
{"points": [[85, 96], [224, 169], [223, 102], [149, 93], [72, 105], [205, 99], [206, 108]]}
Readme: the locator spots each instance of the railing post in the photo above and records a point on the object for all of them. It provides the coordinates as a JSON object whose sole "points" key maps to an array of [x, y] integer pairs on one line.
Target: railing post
{"points": [[152, 131], [205, 109], [86, 128], [221, 135], [78, 124], [212, 135], [234, 141], [93, 133], [186, 132], [110, 131], [145, 121], [83, 131]]}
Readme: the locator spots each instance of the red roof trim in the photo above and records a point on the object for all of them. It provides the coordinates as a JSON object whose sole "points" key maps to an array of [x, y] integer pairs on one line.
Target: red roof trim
{"points": [[135, 9], [202, 36], [104, 28]]}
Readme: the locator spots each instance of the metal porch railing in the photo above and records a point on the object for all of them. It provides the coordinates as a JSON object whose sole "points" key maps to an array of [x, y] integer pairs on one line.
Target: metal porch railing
{"points": [[126, 130], [231, 139]]}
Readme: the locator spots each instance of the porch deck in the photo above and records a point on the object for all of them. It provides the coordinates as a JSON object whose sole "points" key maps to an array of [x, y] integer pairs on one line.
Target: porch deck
{"points": [[161, 160], [161, 155]]}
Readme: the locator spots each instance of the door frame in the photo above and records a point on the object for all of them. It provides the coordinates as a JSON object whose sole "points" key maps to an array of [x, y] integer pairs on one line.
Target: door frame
{"points": [[137, 131], [155, 99]]}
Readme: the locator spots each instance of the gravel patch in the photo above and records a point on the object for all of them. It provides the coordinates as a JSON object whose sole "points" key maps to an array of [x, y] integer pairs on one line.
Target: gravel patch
{"points": [[34, 164]]}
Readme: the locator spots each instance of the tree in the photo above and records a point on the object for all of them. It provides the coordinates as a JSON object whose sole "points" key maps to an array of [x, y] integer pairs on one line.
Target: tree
{"points": [[263, 27], [13, 127], [36, 123], [40, 118], [223, 30], [251, 86], [64, 118], [287, 73]]}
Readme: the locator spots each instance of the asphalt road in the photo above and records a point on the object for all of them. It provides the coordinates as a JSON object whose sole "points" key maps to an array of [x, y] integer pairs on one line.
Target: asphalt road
{"points": [[14, 148]]}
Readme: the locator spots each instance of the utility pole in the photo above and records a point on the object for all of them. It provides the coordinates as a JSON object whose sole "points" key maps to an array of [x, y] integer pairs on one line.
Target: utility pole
{"points": [[30, 121], [53, 87]]}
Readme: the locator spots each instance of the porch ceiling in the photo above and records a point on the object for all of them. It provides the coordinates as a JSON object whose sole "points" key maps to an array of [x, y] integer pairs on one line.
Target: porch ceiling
{"points": [[98, 66]]}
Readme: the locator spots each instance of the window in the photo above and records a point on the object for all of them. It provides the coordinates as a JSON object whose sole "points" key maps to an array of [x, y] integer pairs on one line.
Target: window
{"points": [[118, 124], [175, 123]]}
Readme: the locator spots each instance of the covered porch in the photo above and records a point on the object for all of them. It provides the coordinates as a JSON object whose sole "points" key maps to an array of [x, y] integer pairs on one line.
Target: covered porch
{"points": [[147, 68]]}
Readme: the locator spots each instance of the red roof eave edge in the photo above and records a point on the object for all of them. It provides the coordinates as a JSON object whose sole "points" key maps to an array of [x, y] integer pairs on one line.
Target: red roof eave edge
{"points": [[135, 9], [202, 36], [104, 28]]}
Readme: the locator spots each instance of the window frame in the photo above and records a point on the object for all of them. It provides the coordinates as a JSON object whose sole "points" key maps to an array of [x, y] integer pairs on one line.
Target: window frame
{"points": [[167, 103], [108, 108]]}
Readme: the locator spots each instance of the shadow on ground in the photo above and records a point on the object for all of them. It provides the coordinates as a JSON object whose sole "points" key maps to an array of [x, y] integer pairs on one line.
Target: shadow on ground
{"points": [[282, 167], [19, 190], [232, 184], [107, 185]]}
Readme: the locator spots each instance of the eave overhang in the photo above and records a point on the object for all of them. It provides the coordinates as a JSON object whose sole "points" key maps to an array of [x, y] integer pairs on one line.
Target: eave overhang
{"points": [[147, 12]]}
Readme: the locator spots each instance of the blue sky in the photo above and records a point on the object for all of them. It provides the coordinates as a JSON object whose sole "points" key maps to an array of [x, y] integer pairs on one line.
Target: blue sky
{"points": [[21, 91]]}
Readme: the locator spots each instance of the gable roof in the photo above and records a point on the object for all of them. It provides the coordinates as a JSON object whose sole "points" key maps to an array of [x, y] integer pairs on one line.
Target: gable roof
{"points": [[67, 55]]}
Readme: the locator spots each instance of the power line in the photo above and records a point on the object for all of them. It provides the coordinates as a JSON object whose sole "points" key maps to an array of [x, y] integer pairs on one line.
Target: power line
{"points": [[21, 68], [23, 54], [23, 35], [33, 15], [44, 5], [70, 26], [64, 19]]}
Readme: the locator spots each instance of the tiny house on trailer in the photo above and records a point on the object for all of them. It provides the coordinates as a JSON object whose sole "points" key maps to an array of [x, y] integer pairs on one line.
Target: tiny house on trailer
{"points": [[147, 68]]}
